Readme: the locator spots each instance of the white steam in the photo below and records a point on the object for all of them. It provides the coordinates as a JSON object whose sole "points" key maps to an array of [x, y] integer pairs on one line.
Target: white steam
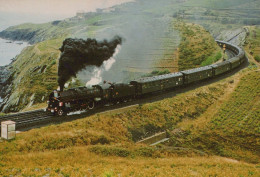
{"points": [[97, 72], [96, 78]]}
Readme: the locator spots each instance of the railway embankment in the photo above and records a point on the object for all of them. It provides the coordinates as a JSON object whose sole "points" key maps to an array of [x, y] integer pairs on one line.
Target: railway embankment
{"points": [[193, 136]]}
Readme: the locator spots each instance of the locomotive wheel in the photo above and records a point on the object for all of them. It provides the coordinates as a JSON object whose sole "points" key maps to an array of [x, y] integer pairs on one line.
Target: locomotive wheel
{"points": [[91, 105], [60, 112]]}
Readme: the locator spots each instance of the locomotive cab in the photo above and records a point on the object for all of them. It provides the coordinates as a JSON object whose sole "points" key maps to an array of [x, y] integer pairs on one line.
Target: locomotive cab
{"points": [[54, 103]]}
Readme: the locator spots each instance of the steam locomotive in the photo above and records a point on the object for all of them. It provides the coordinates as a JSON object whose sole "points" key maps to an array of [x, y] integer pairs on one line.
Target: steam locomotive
{"points": [[83, 98]]}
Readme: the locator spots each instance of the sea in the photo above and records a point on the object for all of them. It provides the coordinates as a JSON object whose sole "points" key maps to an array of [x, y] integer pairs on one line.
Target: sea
{"points": [[9, 50]]}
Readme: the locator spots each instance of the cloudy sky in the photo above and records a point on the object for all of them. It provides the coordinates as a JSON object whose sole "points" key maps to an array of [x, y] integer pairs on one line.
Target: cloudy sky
{"points": [[54, 7]]}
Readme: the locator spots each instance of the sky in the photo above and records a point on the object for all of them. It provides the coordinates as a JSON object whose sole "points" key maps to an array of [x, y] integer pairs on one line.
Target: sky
{"points": [[66, 8]]}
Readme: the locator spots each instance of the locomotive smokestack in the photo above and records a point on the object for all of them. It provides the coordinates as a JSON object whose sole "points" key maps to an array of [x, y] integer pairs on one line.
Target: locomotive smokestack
{"points": [[77, 54]]}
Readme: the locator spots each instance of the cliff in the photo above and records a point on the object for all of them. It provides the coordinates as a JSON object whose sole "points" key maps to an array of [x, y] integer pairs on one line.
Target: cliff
{"points": [[33, 33]]}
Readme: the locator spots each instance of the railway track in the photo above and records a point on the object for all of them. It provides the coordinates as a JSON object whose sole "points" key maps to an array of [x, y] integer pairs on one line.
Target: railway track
{"points": [[27, 119], [38, 118]]}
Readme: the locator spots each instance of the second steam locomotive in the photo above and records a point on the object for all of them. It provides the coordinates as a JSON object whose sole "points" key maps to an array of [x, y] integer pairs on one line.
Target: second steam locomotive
{"points": [[83, 98]]}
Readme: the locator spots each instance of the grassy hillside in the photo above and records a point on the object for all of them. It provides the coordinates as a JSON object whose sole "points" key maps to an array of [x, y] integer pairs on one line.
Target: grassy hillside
{"points": [[233, 128], [219, 3], [212, 121], [216, 16], [197, 47], [253, 43], [35, 74]]}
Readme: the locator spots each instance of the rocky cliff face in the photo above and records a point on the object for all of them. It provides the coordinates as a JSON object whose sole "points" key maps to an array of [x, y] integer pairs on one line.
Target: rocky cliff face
{"points": [[34, 33], [20, 35], [6, 78], [5, 75], [31, 77]]}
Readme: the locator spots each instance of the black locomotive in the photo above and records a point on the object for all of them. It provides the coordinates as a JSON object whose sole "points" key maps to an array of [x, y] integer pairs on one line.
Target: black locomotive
{"points": [[83, 98]]}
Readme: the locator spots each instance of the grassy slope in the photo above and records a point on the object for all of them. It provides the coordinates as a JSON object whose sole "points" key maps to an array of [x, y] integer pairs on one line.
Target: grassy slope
{"points": [[232, 130], [253, 43], [216, 15], [78, 161], [197, 47], [218, 3], [35, 73], [103, 144]]}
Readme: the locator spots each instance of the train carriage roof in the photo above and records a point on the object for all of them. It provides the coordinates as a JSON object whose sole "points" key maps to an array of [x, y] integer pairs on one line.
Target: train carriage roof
{"points": [[215, 65], [234, 59], [190, 71], [158, 78]]}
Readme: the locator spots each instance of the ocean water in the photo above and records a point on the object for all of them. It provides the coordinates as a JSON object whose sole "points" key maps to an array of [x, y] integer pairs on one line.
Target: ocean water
{"points": [[9, 49]]}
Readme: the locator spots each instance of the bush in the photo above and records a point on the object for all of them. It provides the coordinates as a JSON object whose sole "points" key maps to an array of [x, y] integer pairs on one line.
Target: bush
{"points": [[146, 152], [108, 151], [53, 62], [257, 58], [211, 60], [144, 131]]}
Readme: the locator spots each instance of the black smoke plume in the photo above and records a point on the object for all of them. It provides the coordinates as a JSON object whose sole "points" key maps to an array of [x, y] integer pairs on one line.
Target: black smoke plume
{"points": [[76, 54]]}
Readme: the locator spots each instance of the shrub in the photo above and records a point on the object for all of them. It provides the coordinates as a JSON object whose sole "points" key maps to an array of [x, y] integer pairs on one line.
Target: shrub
{"points": [[108, 151], [146, 152], [257, 58], [53, 62], [211, 59]]}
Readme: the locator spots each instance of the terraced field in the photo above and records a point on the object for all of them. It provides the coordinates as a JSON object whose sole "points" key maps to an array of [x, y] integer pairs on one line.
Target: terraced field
{"points": [[233, 131], [197, 47]]}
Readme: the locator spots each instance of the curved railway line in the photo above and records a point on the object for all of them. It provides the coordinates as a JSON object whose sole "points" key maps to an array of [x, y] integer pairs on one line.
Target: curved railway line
{"points": [[38, 118]]}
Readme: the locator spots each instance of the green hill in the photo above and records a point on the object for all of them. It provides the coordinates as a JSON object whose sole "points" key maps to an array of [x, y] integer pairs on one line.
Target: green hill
{"points": [[214, 130], [232, 129]]}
